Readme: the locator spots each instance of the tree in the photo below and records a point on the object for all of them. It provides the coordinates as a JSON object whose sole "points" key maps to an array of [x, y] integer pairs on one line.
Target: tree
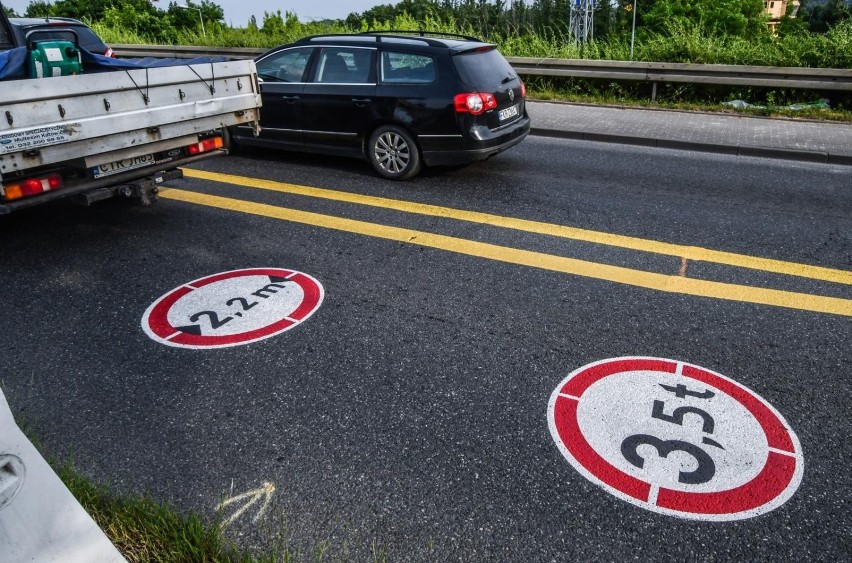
{"points": [[38, 9], [138, 16], [793, 23], [720, 17], [282, 26], [10, 13], [821, 17], [190, 16], [89, 10]]}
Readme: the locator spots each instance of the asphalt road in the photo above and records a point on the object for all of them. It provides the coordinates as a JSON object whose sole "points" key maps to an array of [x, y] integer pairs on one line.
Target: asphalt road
{"points": [[407, 418]]}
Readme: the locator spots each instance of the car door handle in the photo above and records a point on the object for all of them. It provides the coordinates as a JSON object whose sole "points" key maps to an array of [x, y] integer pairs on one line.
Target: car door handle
{"points": [[290, 99], [361, 102]]}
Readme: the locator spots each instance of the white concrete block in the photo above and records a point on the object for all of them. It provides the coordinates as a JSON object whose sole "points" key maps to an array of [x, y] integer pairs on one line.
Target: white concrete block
{"points": [[40, 520]]}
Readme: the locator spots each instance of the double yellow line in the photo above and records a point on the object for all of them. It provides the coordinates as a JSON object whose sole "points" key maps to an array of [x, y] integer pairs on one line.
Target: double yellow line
{"points": [[649, 280]]}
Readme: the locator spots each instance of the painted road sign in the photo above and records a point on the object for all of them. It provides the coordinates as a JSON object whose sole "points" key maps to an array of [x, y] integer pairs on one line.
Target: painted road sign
{"points": [[233, 308], [675, 438]]}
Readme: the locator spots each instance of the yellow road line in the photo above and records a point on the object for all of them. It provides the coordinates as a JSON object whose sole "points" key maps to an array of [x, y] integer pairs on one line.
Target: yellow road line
{"points": [[649, 280], [631, 243]]}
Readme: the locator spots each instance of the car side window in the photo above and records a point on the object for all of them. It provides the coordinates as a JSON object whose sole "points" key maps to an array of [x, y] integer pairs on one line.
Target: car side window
{"points": [[407, 68], [345, 65], [285, 66], [5, 39]]}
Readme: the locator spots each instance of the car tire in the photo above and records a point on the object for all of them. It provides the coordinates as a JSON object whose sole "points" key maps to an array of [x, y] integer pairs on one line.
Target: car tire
{"points": [[393, 153]]}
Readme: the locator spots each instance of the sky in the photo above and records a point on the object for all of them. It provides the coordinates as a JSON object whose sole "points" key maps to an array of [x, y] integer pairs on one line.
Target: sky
{"points": [[238, 12]]}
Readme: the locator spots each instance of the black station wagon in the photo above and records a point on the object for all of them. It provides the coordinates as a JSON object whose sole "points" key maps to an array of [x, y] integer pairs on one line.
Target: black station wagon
{"points": [[400, 101]]}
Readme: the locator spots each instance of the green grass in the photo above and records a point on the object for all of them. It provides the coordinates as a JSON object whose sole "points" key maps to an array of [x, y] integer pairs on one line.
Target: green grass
{"points": [[145, 530]]}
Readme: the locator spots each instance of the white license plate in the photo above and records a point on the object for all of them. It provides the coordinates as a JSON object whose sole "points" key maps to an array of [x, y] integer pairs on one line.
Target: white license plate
{"points": [[505, 114], [120, 166]]}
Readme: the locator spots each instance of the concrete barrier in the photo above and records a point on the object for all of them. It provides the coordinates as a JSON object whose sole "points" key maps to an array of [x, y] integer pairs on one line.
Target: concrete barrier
{"points": [[40, 520]]}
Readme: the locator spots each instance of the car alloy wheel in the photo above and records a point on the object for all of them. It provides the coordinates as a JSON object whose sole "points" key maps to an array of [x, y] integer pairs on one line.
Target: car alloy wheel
{"points": [[393, 153]]}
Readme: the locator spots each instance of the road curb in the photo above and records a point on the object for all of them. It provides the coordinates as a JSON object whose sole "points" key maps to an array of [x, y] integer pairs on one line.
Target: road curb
{"points": [[844, 159], [720, 113], [821, 157]]}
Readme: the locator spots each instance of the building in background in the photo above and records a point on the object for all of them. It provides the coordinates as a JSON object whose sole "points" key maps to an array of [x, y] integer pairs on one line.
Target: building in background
{"points": [[777, 9]]}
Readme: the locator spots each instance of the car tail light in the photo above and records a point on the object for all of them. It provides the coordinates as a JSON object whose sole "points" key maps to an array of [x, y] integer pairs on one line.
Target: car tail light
{"points": [[474, 103], [523, 89], [206, 145], [32, 186]]}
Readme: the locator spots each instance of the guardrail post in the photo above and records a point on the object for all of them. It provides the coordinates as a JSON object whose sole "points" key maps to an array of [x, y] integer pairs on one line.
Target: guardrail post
{"points": [[654, 92]]}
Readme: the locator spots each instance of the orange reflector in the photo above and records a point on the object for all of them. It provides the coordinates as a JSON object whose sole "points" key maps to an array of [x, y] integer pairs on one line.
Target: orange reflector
{"points": [[12, 192], [31, 186], [206, 146]]}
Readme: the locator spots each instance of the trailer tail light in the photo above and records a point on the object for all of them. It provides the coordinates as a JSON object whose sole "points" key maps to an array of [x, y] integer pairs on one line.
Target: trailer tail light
{"points": [[474, 103], [32, 186], [206, 145]]}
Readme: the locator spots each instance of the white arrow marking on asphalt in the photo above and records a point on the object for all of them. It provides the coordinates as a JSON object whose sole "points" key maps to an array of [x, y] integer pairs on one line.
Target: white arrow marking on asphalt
{"points": [[265, 491]]}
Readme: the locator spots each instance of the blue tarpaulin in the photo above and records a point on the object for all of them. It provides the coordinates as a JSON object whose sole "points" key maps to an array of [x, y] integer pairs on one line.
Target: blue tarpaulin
{"points": [[100, 63], [13, 63]]}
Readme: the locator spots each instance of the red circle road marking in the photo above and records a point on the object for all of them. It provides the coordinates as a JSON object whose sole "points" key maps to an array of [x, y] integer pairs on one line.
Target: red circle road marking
{"points": [[773, 484], [278, 313]]}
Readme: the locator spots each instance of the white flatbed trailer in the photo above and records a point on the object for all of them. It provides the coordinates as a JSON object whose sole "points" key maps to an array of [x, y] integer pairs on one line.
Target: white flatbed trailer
{"points": [[123, 132]]}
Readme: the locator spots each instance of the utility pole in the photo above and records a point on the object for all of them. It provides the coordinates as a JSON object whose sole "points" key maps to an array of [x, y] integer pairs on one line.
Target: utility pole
{"points": [[582, 23], [633, 34]]}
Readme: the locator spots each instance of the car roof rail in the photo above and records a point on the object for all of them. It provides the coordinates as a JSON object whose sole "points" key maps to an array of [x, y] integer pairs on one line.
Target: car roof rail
{"points": [[432, 39], [420, 33], [322, 36]]}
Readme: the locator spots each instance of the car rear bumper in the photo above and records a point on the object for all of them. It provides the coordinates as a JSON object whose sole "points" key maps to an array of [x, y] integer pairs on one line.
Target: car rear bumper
{"points": [[465, 150]]}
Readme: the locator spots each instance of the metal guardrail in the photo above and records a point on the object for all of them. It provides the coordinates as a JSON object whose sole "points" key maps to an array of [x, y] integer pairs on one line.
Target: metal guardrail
{"points": [[727, 75]]}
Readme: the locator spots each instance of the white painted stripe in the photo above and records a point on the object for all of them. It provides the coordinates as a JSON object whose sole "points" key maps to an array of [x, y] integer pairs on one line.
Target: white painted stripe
{"points": [[783, 452], [653, 493], [572, 397]]}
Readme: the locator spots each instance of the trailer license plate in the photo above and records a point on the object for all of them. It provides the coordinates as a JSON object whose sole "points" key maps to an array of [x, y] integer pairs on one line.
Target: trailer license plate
{"points": [[123, 165], [507, 113]]}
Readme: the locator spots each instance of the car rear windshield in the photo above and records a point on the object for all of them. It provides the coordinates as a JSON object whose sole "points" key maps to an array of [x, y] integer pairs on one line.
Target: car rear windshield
{"points": [[483, 69], [87, 37]]}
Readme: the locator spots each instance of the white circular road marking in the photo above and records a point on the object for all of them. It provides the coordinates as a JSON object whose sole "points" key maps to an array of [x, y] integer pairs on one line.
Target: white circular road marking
{"points": [[233, 308], [675, 438]]}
